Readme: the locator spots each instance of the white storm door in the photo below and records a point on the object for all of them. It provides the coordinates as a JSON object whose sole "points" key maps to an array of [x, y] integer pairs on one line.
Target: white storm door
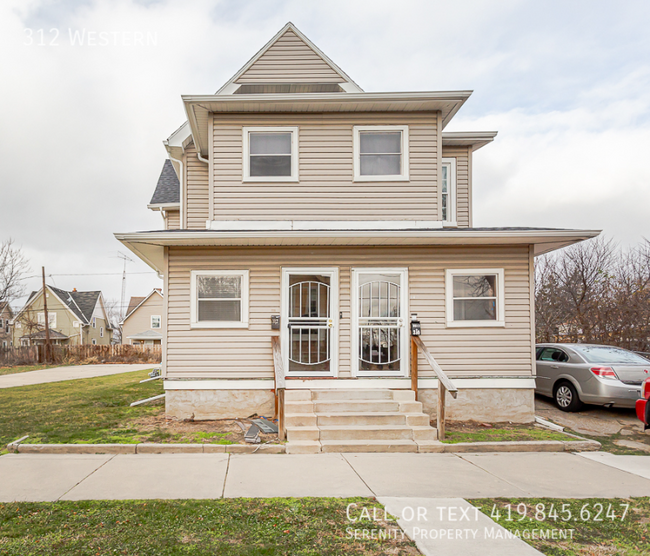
{"points": [[379, 325], [309, 321]]}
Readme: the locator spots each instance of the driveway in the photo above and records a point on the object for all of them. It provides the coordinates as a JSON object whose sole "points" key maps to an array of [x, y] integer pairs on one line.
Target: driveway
{"points": [[58, 374], [619, 425]]}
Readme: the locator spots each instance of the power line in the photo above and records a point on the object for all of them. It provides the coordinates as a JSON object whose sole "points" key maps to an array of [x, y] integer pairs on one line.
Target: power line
{"points": [[88, 274]]}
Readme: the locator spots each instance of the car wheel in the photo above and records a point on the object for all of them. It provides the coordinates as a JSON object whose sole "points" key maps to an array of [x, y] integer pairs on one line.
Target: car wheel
{"points": [[566, 397]]}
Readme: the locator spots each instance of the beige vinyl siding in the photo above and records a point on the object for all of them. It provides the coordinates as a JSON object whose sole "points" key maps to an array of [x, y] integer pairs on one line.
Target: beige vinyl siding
{"points": [[173, 220], [140, 320], [326, 190], [197, 198], [290, 60], [246, 353], [463, 195]]}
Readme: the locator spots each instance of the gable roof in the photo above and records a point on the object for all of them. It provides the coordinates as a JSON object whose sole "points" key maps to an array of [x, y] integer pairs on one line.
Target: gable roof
{"points": [[80, 304], [290, 57], [4, 306], [168, 189], [133, 306], [133, 303]]}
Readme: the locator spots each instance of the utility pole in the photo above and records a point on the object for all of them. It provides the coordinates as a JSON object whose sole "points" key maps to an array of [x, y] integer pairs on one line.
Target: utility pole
{"points": [[125, 258], [48, 349]]}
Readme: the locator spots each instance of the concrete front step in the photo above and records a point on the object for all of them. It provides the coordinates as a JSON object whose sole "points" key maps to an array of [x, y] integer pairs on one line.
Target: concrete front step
{"points": [[367, 432], [380, 420], [362, 406], [368, 446], [342, 395], [353, 418]]}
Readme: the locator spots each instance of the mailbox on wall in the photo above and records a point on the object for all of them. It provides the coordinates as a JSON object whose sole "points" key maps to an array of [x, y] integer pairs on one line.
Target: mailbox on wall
{"points": [[416, 329], [275, 322]]}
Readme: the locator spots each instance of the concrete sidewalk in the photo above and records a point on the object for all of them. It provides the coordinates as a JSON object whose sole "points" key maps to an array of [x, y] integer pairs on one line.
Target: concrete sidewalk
{"points": [[58, 374], [41, 477]]}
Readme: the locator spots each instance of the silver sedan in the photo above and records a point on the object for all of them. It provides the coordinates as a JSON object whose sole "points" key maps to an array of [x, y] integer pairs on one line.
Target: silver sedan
{"points": [[573, 374]]}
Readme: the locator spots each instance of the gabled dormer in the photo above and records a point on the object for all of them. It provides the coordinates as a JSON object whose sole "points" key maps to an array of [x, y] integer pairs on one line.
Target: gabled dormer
{"points": [[293, 142]]}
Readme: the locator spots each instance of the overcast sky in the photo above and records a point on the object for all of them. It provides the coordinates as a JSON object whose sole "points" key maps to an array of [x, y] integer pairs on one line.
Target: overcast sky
{"points": [[565, 84]]}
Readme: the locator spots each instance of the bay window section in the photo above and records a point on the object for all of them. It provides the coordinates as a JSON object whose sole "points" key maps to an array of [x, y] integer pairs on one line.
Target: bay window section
{"points": [[448, 191]]}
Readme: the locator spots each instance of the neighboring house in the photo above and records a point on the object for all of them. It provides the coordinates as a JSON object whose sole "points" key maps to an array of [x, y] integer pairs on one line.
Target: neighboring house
{"points": [[6, 315], [144, 319], [295, 194], [75, 318]]}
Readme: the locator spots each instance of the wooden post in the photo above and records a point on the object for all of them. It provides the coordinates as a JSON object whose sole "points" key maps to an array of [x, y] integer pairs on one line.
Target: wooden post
{"points": [[414, 368], [281, 429], [48, 349], [441, 410]]}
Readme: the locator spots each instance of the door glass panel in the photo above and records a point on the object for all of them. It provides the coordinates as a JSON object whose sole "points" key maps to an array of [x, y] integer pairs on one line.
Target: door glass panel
{"points": [[310, 327], [380, 331]]}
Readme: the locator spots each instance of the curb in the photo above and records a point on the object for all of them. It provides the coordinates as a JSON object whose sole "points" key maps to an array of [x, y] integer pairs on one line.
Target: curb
{"points": [[147, 448], [523, 446], [430, 447]]}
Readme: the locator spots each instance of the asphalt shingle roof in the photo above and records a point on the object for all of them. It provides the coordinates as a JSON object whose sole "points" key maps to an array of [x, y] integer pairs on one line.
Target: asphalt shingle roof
{"points": [[168, 187], [133, 303]]}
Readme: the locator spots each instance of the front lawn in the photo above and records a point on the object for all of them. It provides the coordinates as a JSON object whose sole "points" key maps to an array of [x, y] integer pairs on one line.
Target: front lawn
{"points": [[499, 432], [592, 526], [97, 411], [246, 527]]}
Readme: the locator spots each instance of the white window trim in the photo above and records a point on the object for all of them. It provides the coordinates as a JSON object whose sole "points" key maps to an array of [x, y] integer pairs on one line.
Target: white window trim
{"points": [[50, 316], [356, 147], [449, 294], [94, 322], [194, 313], [94, 342], [159, 320], [451, 186], [294, 154], [101, 331]]}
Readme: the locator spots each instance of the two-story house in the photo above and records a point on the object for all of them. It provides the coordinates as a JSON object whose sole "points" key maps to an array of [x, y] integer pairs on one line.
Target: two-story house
{"points": [[75, 318], [292, 193], [143, 323]]}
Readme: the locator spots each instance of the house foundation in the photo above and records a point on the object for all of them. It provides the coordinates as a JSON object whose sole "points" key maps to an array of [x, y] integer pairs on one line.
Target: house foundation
{"points": [[492, 405]]}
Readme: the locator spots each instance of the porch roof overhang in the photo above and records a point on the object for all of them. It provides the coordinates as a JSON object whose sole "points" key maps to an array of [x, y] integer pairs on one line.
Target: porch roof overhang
{"points": [[199, 107], [150, 246]]}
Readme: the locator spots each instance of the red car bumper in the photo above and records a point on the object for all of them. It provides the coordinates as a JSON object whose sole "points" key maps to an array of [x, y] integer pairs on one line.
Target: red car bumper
{"points": [[643, 412]]}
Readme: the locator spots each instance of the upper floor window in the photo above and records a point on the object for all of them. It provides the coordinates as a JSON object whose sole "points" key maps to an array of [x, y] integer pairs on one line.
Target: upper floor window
{"points": [[270, 154], [475, 297], [50, 316], [381, 153], [219, 299], [448, 190], [156, 321]]}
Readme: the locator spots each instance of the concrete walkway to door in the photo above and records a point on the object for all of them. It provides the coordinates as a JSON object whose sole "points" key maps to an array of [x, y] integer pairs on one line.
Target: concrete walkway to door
{"points": [[58, 374], [50, 477]]}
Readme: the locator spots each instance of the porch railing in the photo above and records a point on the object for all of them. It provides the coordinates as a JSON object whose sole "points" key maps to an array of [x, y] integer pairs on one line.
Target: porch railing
{"points": [[444, 383], [278, 385]]}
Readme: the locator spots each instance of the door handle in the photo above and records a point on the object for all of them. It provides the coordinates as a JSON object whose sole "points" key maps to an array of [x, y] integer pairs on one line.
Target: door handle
{"points": [[554, 367]]}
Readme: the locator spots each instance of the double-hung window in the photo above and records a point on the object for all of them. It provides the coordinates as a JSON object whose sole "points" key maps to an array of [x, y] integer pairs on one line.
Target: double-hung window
{"points": [[219, 299], [270, 154], [448, 190], [50, 316], [475, 297], [156, 321], [381, 153]]}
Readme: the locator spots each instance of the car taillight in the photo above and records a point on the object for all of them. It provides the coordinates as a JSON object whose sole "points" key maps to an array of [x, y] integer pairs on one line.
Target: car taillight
{"points": [[604, 372], [645, 388]]}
